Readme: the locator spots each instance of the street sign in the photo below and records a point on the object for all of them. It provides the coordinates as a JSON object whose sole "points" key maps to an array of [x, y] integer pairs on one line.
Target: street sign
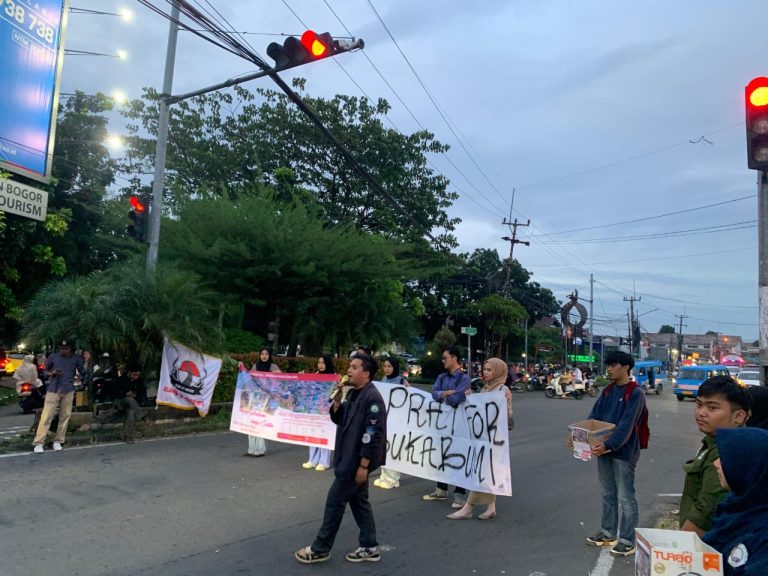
{"points": [[545, 348], [23, 200], [581, 357], [469, 330]]}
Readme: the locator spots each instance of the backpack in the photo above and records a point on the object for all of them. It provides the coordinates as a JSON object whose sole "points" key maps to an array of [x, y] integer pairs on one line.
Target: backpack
{"points": [[642, 428]]}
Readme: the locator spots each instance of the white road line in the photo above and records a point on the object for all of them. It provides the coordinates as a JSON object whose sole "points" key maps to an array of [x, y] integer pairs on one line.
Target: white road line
{"points": [[669, 495], [104, 444], [604, 563]]}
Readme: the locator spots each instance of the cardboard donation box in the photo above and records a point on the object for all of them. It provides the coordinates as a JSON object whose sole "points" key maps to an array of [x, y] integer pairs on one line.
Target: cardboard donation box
{"points": [[586, 434], [674, 553]]}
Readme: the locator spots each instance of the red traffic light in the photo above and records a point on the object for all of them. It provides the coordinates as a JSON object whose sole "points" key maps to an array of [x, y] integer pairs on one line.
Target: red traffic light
{"points": [[137, 205], [317, 45], [756, 104]]}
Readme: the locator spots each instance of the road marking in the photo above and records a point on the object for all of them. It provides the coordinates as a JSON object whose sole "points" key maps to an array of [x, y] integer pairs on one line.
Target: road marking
{"points": [[604, 563], [669, 495], [102, 445]]}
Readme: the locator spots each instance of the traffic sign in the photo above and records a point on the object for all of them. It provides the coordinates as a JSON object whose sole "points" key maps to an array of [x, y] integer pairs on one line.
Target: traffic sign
{"points": [[23, 200], [469, 330]]}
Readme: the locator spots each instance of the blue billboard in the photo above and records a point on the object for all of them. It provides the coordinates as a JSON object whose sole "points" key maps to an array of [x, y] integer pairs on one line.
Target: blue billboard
{"points": [[31, 47]]}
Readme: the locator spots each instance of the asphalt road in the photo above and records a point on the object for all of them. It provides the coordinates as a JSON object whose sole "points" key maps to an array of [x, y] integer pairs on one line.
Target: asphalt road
{"points": [[195, 506]]}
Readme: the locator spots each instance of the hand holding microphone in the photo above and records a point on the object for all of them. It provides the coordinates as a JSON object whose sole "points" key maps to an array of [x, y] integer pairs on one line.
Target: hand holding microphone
{"points": [[338, 388]]}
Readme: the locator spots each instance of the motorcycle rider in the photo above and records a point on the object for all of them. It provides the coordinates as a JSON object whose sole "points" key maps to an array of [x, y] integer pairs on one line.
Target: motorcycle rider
{"points": [[561, 384], [27, 373]]}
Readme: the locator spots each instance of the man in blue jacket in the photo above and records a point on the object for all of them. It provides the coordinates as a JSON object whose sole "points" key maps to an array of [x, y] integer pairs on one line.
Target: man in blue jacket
{"points": [[618, 456], [450, 387], [361, 442]]}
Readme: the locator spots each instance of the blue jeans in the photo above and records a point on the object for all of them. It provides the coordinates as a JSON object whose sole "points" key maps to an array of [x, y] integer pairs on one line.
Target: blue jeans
{"points": [[617, 482]]}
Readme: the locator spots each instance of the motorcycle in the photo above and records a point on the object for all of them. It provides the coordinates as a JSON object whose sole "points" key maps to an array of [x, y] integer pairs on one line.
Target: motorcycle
{"points": [[570, 390], [31, 397], [536, 383]]}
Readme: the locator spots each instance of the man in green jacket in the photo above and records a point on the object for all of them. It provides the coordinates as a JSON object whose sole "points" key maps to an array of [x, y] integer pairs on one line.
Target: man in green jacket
{"points": [[721, 403]]}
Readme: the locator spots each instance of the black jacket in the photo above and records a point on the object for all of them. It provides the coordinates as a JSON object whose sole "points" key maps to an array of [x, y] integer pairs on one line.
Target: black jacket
{"points": [[361, 432]]}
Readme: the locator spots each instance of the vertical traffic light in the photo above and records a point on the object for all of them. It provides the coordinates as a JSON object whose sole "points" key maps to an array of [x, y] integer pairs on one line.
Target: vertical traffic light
{"points": [[138, 215], [756, 101], [311, 47]]}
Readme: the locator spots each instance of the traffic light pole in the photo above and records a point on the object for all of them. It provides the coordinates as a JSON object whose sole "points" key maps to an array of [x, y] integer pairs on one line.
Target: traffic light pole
{"points": [[156, 210], [762, 236]]}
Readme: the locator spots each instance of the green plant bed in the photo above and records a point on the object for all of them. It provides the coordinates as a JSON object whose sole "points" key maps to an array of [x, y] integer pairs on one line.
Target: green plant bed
{"points": [[7, 396]]}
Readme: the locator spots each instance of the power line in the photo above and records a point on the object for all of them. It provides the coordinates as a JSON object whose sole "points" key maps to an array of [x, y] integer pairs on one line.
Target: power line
{"points": [[636, 220]]}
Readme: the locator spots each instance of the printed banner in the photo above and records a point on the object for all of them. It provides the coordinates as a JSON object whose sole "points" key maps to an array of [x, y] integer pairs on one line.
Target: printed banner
{"points": [[187, 378], [466, 446], [290, 408]]}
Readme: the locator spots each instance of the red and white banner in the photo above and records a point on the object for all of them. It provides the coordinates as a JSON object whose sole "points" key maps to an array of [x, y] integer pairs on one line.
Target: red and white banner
{"points": [[187, 378]]}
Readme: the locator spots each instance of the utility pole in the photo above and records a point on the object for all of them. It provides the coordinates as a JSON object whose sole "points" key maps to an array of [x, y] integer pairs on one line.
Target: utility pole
{"points": [[158, 183], [681, 317], [762, 241], [512, 241], [591, 320], [632, 299]]}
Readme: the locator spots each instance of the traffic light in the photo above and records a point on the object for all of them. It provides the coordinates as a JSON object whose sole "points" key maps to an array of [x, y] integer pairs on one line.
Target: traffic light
{"points": [[311, 47], [138, 215], [756, 100]]}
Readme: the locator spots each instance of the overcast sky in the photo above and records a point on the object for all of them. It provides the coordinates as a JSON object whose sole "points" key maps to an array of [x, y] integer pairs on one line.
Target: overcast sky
{"points": [[585, 107]]}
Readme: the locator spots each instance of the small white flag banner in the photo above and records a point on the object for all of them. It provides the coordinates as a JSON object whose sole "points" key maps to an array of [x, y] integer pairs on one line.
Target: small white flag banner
{"points": [[466, 446], [187, 378]]}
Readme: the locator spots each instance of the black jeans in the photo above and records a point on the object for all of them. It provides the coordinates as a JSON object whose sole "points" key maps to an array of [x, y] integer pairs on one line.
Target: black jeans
{"points": [[457, 490], [341, 493]]}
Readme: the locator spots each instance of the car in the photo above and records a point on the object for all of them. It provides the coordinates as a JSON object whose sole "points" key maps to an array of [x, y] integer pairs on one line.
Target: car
{"points": [[689, 378], [749, 376], [414, 368], [10, 363]]}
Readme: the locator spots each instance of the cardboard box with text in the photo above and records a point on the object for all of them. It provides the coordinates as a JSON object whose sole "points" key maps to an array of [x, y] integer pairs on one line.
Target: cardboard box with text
{"points": [[674, 553], [586, 434]]}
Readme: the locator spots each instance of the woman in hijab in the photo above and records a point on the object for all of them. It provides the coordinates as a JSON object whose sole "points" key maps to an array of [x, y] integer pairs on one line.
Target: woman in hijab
{"points": [[494, 375], [390, 478], [740, 530], [257, 446], [320, 458]]}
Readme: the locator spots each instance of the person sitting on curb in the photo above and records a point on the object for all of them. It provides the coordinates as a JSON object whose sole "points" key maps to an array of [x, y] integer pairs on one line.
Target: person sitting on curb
{"points": [[721, 403], [740, 528], [128, 388]]}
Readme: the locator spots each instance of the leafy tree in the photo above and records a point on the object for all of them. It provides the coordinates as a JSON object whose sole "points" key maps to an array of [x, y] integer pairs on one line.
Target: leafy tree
{"points": [[126, 313], [327, 287], [666, 329], [501, 317], [444, 338], [222, 143], [710, 333]]}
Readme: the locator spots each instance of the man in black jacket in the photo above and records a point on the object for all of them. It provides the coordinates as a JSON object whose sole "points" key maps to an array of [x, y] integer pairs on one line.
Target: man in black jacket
{"points": [[361, 437]]}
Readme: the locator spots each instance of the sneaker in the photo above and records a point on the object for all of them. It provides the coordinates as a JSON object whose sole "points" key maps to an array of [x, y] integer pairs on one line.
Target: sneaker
{"points": [[436, 495], [38, 449], [309, 556], [458, 501], [321, 468], [388, 485], [364, 555], [377, 482], [308, 465], [600, 539], [57, 446], [622, 549]]}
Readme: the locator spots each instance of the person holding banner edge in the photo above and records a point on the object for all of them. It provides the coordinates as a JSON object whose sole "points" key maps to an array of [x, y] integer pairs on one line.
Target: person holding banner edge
{"points": [[450, 387], [257, 446], [390, 478], [494, 375], [361, 438], [320, 458]]}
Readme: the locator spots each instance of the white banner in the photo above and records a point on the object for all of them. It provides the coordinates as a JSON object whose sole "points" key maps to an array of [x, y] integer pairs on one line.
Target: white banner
{"points": [[466, 446], [187, 378], [285, 407]]}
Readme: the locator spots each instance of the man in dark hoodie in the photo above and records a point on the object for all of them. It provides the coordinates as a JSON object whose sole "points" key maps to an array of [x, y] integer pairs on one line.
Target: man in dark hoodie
{"points": [[361, 438], [740, 530], [618, 456]]}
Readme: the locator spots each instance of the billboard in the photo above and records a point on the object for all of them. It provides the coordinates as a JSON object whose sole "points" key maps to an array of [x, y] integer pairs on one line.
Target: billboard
{"points": [[32, 49]]}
